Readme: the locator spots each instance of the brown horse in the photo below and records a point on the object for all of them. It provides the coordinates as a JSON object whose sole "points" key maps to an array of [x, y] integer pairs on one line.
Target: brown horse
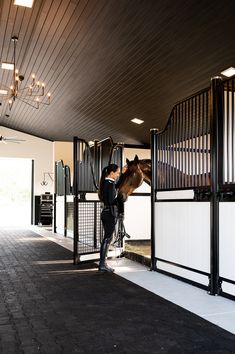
{"points": [[139, 171]]}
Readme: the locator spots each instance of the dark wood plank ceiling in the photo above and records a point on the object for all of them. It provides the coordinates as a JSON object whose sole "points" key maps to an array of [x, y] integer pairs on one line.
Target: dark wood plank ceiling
{"points": [[108, 61]]}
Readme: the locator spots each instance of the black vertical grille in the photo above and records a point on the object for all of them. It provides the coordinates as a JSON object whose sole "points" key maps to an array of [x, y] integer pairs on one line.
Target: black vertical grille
{"points": [[183, 146], [229, 133], [89, 162], [90, 231], [85, 168]]}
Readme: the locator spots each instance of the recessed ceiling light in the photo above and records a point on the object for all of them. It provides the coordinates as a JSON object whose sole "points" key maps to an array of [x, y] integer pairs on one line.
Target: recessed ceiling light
{"points": [[137, 121], [3, 92], [228, 72], [91, 142], [8, 66], [26, 3]]}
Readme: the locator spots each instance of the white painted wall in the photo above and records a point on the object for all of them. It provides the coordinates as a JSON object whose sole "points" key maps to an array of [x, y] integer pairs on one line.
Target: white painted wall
{"points": [[130, 153], [64, 151], [183, 236], [60, 215], [138, 217], [39, 150], [138, 208], [227, 244]]}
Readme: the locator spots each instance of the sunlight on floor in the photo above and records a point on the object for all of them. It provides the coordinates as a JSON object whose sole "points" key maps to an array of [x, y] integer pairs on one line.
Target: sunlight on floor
{"points": [[60, 261]]}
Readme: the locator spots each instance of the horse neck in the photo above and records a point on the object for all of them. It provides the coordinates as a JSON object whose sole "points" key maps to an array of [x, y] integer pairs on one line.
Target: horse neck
{"points": [[146, 169]]}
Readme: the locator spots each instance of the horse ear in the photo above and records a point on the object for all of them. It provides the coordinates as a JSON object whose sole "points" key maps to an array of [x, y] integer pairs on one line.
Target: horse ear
{"points": [[136, 159], [127, 161]]}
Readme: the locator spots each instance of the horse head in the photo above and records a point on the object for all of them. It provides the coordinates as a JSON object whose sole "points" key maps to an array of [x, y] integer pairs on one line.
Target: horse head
{"points": [[131, 179]]}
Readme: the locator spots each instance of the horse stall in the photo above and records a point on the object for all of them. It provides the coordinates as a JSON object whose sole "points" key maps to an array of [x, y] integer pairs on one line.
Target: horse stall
{"points": [[77, 211], [193, 191], [138, 214]]}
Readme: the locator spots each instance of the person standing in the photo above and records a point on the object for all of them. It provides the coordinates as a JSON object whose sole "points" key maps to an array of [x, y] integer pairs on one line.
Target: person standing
{"points": [[111, 208]]}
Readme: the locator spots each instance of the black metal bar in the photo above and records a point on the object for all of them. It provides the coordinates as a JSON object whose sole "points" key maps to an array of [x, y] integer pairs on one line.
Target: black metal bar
{"points": [[75, 202], [95, 225], [208, 180], [216, 142], [184, 146], [227, 135], [96, 161], [188, 144], [175, 154], [183, 267], [154, 187], [181, 144], [171, 163], [196, 143], [65, 204], [178, 142], [228, 280], [56, 177], [203, 138], [185, 280], [32, 193], [167, 159], [232, 132], [54, 213], [199, 143], [191, 142], [160, 162]]}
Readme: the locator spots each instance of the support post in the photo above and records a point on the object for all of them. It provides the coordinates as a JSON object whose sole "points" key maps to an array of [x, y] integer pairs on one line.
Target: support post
{"points": [[65, 204], [216, 146], [154, 162], [96, 161], [55, 194], [75, 202]]}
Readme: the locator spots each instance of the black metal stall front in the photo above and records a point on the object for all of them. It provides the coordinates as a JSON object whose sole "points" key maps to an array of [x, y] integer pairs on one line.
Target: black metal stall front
{"points": [[88, 165], [181, 159], [196, 152]]}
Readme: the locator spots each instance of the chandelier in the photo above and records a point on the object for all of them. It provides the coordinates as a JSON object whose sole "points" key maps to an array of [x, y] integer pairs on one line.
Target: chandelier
{"points": [[33, 94]]}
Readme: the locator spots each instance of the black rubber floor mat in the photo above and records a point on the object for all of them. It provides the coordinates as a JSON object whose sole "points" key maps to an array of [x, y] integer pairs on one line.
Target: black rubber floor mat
{"points": [[48, 305]]}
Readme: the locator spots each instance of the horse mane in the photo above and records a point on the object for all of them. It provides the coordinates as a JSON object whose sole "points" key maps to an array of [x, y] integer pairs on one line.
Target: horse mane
{"points": [[146, 168]]}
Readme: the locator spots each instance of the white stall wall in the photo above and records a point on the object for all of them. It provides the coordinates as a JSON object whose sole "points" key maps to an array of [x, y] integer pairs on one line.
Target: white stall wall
{"points": [[227, 244], [138, 217], [39, 150], [138, 208], [183, 235], [60, 215]]}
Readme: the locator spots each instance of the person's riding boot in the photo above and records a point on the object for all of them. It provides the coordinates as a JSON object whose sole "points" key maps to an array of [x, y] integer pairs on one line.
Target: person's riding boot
{"points": [[103, 267]]}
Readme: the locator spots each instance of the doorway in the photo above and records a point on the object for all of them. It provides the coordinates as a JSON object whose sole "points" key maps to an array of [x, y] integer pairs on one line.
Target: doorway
{"points": [[15, 191]]}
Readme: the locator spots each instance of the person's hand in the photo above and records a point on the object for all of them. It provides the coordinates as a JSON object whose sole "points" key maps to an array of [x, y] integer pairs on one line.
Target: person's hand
{"points": [[121, 216]]}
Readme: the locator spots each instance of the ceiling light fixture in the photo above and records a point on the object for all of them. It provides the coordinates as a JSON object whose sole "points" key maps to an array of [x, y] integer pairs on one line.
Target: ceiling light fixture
{"points": [[8, 66], [25, 3], [27, 94], [228, 72], [3, 92], [137, 121]]}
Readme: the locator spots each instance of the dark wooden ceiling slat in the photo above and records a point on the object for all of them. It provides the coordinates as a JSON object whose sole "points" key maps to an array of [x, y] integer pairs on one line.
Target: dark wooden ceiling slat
{"points": [[108, 61]]}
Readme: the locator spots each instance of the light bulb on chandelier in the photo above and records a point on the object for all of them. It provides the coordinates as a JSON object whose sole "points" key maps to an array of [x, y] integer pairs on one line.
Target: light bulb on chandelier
{"points": [[29, 94]]}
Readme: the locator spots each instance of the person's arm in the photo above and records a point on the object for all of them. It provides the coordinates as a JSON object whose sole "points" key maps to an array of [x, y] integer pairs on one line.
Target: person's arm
{"points": [[121, 177], [110, 193], [120, 205]]}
